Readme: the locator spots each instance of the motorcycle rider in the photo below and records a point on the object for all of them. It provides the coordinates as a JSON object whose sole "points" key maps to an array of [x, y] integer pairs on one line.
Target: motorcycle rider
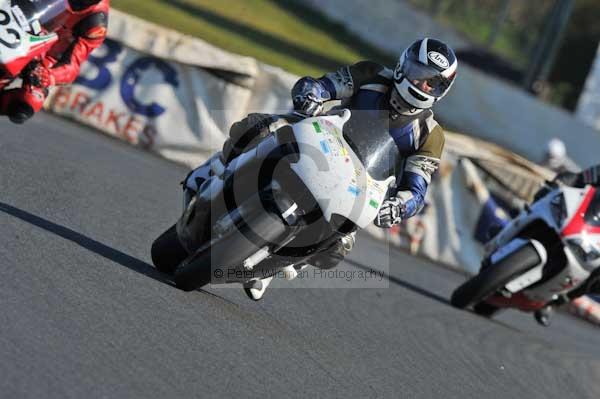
{"points": [[556, 158], [589, 176], [424, 74], [80, 33]]}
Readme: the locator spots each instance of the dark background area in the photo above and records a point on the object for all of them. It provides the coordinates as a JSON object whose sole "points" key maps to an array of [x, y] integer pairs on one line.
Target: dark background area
{"points": [[507, 35]]}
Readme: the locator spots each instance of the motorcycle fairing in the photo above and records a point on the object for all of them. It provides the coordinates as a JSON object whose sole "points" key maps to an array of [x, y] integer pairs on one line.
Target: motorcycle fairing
{"points": [[568, 278], [539, 211], [17, 46], [342, 186]]}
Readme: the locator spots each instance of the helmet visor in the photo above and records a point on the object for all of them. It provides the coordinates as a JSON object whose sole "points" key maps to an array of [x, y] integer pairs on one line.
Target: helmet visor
{"points": [[425, 78]]}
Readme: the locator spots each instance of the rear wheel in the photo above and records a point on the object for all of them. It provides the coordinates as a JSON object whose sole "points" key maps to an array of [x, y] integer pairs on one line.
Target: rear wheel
{"points": [[167, 251], [494, 277]]}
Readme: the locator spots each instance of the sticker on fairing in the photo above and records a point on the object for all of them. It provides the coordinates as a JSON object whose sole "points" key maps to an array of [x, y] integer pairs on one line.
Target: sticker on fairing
{"points": [[20, 17], [335, 134], [38, 39], [317, 127], [355, 191], [343, 150], [374, 203], [325, 147], [36, 27]]}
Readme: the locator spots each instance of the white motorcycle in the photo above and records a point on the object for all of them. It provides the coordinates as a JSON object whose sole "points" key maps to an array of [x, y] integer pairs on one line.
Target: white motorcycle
{"points": [[547, 256], [294, 194]]}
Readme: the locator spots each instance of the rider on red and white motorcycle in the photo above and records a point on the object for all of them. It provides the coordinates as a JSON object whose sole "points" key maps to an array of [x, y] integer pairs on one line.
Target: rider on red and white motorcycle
{"points": [[590, 176], [80, 31], [544, 258]]}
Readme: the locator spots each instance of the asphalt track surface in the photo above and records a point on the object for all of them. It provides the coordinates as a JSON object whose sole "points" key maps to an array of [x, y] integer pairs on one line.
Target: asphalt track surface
{"points": [[83, 314]]}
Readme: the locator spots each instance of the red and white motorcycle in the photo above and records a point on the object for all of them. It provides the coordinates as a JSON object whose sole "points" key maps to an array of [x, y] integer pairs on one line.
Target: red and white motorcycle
{"points": [[26, 34], [547, 256]]}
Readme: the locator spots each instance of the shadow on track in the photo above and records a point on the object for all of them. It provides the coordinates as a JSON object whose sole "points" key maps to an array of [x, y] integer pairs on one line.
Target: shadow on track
{"points": [[429, 294], [402, 283], [88, 243], [94, 246]]}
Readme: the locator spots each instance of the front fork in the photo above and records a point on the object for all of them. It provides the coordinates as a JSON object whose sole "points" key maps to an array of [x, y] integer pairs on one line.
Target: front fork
{"points": [[205, 174], [518, 284]]}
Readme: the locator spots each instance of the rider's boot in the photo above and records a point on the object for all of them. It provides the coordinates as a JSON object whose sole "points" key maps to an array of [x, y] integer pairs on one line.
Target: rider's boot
{"points": [[332, 256], [544, 316], [22, 103], [255, 288]]}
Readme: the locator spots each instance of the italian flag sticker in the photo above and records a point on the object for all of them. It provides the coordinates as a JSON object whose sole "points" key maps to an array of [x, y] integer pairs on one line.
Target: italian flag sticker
{"points": [[317, 127]]}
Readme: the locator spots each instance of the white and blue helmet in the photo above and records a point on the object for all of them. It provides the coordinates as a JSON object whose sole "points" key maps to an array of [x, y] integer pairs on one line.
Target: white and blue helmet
{"points": [[424, 74]]}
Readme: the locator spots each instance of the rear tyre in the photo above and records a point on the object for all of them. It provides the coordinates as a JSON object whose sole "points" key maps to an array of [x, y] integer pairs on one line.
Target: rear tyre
{"points": [[494, 277], [167, 251]]}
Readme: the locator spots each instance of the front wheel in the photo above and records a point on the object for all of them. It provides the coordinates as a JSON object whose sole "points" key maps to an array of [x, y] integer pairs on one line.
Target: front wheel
{"points": [[223, 257], [493, 278], [167, 251]]}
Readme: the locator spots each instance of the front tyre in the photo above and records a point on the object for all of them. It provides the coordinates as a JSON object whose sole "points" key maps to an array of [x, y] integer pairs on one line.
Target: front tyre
{"points": [[228, 253], [167, 251], [494, 277]]}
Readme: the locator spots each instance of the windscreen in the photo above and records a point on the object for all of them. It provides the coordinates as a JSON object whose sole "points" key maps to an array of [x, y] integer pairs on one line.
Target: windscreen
{"points": [[370, 139], [37, 14], [592, 215]]}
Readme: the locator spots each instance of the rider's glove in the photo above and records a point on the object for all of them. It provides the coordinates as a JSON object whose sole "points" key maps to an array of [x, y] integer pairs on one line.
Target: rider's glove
{"points": [[570, 179], [308, 95], [390, 213], [41, 77]]}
